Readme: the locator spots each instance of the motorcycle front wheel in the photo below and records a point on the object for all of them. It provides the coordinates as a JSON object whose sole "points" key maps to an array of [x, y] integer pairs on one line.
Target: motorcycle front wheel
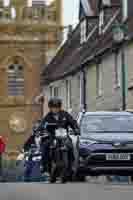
{"points": [[59, 166], [64, 170]]}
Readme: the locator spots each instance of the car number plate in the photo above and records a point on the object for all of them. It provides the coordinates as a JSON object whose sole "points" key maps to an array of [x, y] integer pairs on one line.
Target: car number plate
{"points": [[118, 156]]}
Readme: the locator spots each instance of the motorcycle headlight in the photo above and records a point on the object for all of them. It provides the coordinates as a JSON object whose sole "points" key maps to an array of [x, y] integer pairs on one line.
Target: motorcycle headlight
{"points": [[85, 142], [37, 158]]}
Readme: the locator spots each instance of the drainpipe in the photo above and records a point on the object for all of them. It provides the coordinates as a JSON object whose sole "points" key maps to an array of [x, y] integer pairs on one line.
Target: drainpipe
{"points": [[82, 91], [84, 88]]}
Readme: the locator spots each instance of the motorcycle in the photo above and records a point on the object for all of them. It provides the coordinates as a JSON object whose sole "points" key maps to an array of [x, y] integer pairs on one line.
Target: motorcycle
{"points": [[32, 164], [31, 160], [60, 156]]}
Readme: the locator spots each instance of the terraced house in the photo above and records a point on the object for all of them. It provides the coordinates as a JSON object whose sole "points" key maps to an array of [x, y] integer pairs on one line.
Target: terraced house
{"points": [[29, 36], [86, 71]]}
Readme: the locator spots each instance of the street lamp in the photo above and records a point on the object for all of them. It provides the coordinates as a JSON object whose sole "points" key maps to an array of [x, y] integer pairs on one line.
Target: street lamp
{"points": [[119, 31]]}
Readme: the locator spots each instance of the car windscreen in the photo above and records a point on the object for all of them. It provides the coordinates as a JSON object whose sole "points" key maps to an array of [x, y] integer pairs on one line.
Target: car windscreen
{"points": [[113, 124]]}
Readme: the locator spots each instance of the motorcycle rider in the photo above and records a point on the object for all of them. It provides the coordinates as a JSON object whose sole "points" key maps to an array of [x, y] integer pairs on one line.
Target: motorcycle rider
{"points": [[63, 119], [33, 137]]}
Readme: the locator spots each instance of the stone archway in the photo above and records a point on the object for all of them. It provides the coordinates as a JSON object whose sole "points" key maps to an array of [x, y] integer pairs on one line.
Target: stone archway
{"points": [[8, 59]]}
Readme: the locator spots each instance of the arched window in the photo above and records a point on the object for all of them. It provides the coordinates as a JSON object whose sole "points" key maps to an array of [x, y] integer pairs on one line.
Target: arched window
{"points": [[16, 80]]}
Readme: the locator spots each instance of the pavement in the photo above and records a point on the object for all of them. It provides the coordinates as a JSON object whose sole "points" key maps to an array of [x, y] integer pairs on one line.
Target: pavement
{"points": [[79, 191]]}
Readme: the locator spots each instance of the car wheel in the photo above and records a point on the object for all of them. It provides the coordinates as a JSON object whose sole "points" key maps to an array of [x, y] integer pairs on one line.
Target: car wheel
{"points": [[131, 179]]}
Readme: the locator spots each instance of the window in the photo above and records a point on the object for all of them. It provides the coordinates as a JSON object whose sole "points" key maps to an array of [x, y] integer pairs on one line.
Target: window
{"points": [[42, 11], [117, 70], [51, 15], [56, 91], [15, 80], [35, 13], [7, 13], [99, 79], [51, 91], [83, 31], [38, 12], [68, 94], [106, 123]]}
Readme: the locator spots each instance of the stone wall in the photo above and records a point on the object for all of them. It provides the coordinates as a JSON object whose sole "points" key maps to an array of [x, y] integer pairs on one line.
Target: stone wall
{"points": [[27, 40]]}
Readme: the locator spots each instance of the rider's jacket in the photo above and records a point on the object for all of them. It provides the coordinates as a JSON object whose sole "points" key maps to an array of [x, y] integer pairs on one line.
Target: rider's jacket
{"points": [[53, 121], [61, 119]]}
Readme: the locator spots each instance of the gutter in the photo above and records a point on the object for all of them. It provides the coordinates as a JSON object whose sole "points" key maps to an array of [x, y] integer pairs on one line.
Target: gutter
{"points": [[92, 59]]}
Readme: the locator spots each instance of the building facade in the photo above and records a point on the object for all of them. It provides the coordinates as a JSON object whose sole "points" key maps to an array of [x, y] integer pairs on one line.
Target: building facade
{"points": [[89, 74], [29, 36]]}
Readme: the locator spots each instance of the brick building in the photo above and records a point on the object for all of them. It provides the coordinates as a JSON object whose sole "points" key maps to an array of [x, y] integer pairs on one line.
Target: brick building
{"points": [[29, 36]]}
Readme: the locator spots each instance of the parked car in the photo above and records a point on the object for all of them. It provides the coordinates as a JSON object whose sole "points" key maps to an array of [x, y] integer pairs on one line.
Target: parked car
{"points": [[106, 144]]}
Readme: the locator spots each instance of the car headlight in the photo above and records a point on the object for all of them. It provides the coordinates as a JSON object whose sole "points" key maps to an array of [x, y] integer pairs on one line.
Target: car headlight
{"points": [[85, 142]]}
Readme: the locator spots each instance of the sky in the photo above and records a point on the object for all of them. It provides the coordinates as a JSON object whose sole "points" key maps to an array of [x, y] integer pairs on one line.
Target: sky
{"points": [[70, 11]]}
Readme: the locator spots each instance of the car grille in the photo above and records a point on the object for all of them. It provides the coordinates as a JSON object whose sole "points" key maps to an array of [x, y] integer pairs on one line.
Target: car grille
{"points": [[110, 163], [102, 157], [117, 150]]}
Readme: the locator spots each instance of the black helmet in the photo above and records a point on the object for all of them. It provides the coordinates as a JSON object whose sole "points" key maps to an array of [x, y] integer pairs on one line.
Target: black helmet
{"points": [[55, 102]]}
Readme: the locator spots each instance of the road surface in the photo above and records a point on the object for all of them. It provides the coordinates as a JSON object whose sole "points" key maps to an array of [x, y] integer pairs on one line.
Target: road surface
{"points": [[88, 191]]}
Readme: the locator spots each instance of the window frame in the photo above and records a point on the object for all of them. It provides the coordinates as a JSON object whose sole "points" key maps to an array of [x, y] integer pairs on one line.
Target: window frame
{"points": [[16, 82], [56, 91]]}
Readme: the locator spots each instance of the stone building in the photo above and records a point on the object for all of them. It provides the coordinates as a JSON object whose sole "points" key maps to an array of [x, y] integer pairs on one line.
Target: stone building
{"points": [[87, 68], [29, 36]]}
